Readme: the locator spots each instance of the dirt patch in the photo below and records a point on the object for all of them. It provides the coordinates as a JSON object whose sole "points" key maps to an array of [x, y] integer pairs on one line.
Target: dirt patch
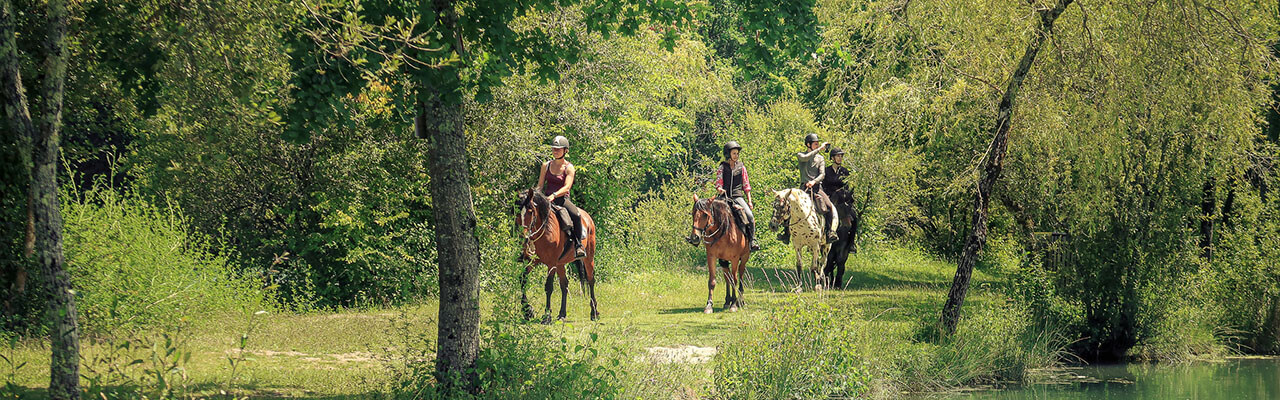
{"points": [[686, 354], [353, 357]]}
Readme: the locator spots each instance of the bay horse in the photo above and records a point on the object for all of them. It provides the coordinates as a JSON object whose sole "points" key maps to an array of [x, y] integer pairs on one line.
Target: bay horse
{"points": [[726, 244], [794, 208], [547, 242]]}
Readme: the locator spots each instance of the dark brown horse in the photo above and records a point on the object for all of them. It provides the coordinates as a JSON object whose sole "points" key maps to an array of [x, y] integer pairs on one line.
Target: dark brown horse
{"points": [[714, 228], [547, 243]]}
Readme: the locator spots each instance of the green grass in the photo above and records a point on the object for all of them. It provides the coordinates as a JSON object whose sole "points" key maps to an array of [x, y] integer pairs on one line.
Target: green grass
{"points": [[346, 354]]}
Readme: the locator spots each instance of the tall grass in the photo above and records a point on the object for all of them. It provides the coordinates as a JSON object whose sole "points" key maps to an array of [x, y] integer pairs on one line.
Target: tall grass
{"points": [[135, 264], [802, 350]]}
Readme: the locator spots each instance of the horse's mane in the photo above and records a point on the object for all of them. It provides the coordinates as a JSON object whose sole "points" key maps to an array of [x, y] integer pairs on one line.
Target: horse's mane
{"points": [[719, 210], [540, 202]]}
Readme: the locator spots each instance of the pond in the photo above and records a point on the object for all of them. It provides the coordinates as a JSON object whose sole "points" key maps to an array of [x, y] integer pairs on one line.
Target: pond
{"points": [[1236, 378]]}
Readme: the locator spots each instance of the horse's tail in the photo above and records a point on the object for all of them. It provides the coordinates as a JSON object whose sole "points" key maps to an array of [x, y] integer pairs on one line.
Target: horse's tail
{"points": [[580, 272]]}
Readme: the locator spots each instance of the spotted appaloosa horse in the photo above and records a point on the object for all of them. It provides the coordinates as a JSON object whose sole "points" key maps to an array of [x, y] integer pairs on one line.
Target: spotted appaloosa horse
{"points": [[714, 228], [546, 243], [794, 208]]}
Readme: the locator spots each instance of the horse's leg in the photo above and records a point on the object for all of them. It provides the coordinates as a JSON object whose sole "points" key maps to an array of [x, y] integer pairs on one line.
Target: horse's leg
{"points": [[816, 268], [551, 274], [799, 274], [842, 257], [728, 287], [711, 281], [742, 270], [564, 291], [735, 283], [828, 268], [524, 298], [590, 263]]}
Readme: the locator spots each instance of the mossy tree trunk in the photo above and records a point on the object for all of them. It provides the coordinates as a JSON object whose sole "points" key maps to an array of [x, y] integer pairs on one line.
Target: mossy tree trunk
{"points": [[43, 132]]}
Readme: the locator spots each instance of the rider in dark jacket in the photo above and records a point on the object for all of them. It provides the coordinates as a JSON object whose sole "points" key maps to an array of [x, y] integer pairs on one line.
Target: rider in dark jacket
{"points": [[732, 182]]}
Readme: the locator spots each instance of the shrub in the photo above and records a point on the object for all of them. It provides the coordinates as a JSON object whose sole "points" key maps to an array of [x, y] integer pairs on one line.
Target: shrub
{"points": [[517, 361], [801, 350], [135, 264]]}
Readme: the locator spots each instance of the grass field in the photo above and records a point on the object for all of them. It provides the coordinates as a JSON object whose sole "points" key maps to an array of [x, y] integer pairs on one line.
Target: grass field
{"points": [[347, 354]]}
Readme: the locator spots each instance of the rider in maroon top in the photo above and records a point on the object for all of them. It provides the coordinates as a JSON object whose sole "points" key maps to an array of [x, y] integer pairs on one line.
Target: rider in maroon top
{"points": [[555, 180]]}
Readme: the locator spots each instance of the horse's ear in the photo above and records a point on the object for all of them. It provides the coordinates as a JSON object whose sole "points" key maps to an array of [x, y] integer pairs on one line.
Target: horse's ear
{"points": [[695, 197]]}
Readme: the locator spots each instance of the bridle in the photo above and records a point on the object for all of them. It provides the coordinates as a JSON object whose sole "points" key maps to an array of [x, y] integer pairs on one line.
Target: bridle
{"points": [[786, 210], [702, 232], [540, 230]]}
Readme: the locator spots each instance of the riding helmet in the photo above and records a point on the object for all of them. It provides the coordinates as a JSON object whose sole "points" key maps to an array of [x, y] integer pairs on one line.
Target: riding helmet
{"points": [[729, 146], [835, 151], [560, 142], [810, 138]]}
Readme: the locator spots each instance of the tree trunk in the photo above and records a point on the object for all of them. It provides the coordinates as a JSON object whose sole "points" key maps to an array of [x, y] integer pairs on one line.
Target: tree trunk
{"points": [[1207, 205], [992, 164], [60, 312], [457, 249], [15, 106]]}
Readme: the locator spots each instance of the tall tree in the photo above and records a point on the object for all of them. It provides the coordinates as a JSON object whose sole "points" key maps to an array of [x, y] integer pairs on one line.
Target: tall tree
{"points": [[444, 53], [992, 164], [44, 133]]}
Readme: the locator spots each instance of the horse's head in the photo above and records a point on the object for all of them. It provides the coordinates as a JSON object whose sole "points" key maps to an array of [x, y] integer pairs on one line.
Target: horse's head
{"points": [[532, 209], [701, 216], [781, 208]]}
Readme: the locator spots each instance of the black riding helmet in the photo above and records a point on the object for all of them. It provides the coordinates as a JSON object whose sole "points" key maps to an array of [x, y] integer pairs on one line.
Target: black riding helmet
{"points": [[835, 151], [729, 146], [810, 138]]}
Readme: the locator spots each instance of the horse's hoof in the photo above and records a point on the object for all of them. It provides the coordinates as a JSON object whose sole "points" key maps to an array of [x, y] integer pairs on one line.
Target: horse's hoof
{"points": [[733, 309], [798, 289], [817, 288], [595, 316], [546, 320], [560, 319], [707, 310]]}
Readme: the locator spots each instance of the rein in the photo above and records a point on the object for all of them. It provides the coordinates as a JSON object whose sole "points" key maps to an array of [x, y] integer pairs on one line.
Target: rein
{"points": [[537, 233], [715, 236]]}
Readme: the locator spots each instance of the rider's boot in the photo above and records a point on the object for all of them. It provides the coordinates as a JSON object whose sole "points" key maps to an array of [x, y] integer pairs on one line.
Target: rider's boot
{"points": [[751, 236], [831, 233], [579, 252]]}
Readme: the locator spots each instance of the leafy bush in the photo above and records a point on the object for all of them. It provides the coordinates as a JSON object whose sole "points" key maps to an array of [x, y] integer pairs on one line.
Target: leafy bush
{"points": [[519, 361], [998, 343], [135, 264], [801, 350]]}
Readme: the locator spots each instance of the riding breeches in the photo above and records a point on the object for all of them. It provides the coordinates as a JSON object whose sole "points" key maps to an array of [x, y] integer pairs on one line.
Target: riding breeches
{"points": [[742, 205], [573, 214]]}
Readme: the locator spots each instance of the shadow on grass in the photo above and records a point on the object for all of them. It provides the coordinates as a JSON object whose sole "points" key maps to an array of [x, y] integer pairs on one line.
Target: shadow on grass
{"points": [[686, 310], [202, 391]]}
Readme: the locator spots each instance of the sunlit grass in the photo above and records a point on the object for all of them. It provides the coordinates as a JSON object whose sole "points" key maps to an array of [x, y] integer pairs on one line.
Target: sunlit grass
{"points": [[344, 354]]}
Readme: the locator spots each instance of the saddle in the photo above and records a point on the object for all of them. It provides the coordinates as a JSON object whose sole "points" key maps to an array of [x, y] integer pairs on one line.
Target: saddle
{"points": [[566, 220], [739, 215]]}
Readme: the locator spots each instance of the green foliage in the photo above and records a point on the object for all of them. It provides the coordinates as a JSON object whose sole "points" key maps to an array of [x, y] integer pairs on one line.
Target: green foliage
{"points": [[1000, 343], [140, 366], [135, 264], [523, 361], [802, 350]]}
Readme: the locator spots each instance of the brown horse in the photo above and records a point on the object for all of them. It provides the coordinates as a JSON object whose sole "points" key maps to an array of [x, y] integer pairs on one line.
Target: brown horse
{"points": [[714, 228], [547, 243]]}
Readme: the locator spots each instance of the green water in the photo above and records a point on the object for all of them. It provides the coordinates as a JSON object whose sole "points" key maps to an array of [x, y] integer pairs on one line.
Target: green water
{"points": [[1233, 379]]}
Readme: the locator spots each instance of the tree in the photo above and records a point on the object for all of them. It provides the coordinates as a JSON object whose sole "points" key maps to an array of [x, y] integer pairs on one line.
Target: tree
{"points": [[442, 54], [992, 164], [43, 132]]}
